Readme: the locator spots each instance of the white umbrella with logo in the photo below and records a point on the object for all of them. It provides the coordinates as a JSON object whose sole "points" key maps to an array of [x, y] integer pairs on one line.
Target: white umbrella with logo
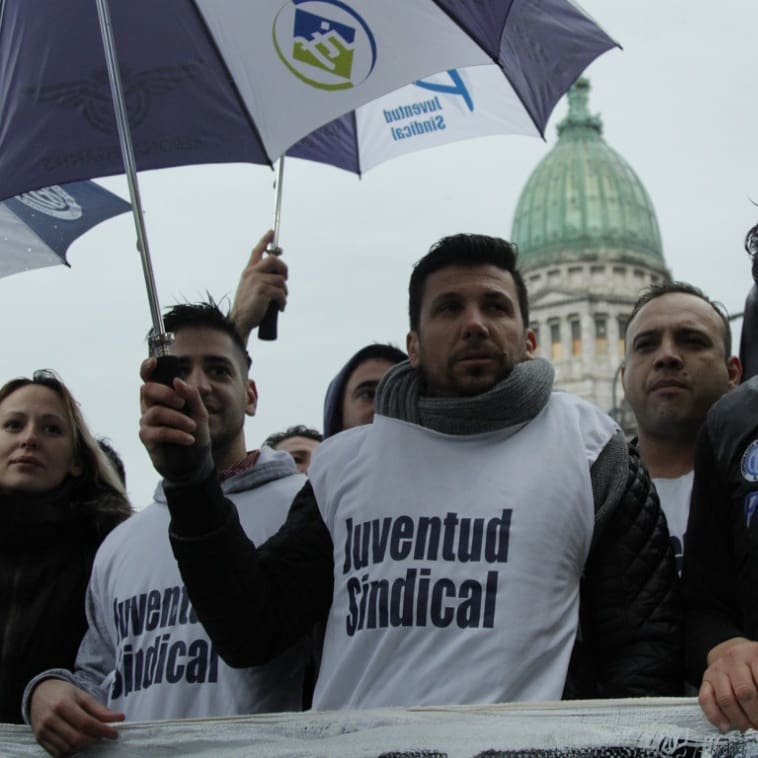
{"points": [[210, 81]]}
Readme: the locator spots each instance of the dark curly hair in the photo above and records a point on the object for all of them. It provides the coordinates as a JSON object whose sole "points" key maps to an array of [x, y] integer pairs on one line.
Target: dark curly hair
{"points": [[204, 315], [294, 431], [465, 250]]}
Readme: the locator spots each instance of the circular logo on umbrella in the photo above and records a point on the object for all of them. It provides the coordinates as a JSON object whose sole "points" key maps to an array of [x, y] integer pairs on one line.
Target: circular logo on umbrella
{"points": [[52, 201], [325, 43]]}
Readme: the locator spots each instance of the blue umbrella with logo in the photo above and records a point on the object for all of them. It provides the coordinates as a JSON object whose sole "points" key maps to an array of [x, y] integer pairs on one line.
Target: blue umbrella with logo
{"points": [[176, 82], [37, 227]]}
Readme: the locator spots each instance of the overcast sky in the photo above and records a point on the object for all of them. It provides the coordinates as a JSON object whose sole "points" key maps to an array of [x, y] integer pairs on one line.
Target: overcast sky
{"points": [[678, 103]]}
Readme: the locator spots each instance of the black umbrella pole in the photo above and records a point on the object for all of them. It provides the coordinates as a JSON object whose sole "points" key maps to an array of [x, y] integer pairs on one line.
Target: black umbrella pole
{"points": [[267, 329]]}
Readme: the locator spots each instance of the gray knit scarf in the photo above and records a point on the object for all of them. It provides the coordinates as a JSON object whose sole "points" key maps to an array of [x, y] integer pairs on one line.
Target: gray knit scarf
{"points": [[512, 402]]}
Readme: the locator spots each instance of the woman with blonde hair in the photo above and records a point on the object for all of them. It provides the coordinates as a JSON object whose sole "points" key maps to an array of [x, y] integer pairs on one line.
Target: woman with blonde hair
{"points": [[59, 497]]}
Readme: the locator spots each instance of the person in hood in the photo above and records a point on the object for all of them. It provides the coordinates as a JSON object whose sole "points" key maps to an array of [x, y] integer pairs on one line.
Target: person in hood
{"points": [[350, 396], [145, 656]]}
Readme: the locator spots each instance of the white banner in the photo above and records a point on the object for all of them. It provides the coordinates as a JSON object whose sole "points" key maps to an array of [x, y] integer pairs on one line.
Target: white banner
{"points": [[672, 727]]}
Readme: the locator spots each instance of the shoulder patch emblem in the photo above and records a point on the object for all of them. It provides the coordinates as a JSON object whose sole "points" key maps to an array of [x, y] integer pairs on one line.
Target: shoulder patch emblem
{"points": [[751, 503], [749, 464]]}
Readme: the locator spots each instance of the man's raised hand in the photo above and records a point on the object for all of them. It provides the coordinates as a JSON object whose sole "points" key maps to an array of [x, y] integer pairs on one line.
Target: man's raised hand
{"points": [[263, 280], [173, 425]]}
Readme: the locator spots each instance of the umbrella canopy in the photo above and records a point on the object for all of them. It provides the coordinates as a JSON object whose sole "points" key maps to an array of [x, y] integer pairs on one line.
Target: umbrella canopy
{"points": [[454, 105], [37, 227], [209, 81], [176, 82]]}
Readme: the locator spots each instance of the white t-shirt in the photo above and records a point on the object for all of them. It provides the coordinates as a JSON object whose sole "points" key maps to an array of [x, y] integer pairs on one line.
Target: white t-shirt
{"points": [[145, 652], [457, 558], [675, 495]]}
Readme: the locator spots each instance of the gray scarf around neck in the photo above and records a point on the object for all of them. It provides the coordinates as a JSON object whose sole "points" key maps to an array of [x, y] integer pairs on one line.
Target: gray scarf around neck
{"points": [[511, 403]]}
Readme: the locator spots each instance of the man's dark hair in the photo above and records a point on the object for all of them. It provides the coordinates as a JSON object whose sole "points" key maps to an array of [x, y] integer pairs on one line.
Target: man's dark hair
{"points": [[667, 288], [751, 245], [465, 250], [204, 315], [294, 431]]}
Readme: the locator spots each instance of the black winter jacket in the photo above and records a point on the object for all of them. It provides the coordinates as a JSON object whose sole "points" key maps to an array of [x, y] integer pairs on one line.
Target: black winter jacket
{"points": [[720, 576], [47, 545]]}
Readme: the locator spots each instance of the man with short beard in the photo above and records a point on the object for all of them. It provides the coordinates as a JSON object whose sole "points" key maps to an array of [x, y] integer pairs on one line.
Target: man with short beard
{"points": [[678, 363], [461, 542]]}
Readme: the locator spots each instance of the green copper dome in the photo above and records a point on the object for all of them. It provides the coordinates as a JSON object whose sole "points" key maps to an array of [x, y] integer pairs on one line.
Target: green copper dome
{"points": [[584, 201]]}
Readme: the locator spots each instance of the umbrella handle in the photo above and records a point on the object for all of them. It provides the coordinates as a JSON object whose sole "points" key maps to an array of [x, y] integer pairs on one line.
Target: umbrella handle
{"points": [[166, 369], [267, 328], [176, 456]]}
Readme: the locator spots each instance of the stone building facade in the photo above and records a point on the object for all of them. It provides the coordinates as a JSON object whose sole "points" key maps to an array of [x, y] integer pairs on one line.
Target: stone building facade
{"points": [[588, 242]]}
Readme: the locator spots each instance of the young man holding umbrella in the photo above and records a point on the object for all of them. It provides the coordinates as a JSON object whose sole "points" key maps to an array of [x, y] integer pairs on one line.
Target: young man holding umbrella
{"points": [[452, 569], [145, 656]]}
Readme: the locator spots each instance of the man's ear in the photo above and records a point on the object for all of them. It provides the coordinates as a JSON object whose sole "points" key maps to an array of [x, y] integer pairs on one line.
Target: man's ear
{"points": [[411, 347], [734, 368], [251, 392], [530, 343]]}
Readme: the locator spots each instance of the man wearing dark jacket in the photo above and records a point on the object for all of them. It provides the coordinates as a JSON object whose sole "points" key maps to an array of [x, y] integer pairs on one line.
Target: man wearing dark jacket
{"points": [[721, 562], [462, 541]]}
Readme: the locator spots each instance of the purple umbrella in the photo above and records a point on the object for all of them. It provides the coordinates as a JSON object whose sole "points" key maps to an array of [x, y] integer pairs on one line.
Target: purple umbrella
{"points": [[208, 81]]}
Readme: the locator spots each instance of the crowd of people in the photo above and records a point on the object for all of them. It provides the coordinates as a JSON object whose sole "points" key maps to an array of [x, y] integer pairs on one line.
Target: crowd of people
{"points": [[460, 532]]}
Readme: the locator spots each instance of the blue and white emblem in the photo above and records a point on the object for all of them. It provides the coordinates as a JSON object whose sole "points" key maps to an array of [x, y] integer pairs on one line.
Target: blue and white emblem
{"points": [[52, 201], [324, 43], [749, 464], [751, 503]]}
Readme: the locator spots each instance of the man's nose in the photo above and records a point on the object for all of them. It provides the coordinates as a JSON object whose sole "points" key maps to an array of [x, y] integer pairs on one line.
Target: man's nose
{"points": [[198, 379], [668, 355], [474, 325]]}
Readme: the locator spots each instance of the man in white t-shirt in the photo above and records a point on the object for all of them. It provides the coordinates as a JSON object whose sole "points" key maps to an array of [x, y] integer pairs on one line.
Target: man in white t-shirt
{"points": [[463, 542], [145, 655], [678, 363]]}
